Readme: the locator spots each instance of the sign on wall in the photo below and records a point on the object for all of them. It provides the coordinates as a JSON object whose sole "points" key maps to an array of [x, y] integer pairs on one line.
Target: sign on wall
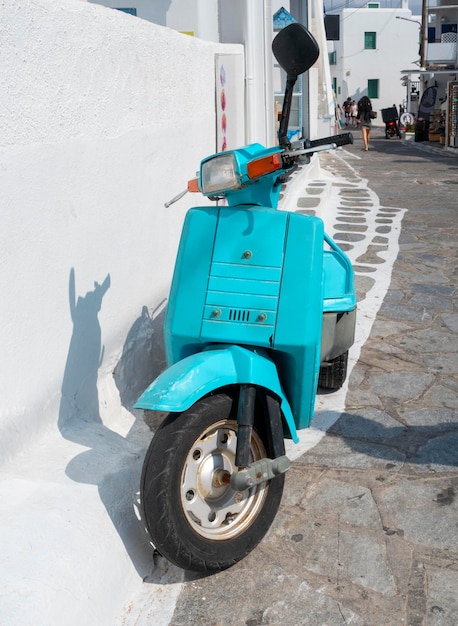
{"points": [[230, 128]]}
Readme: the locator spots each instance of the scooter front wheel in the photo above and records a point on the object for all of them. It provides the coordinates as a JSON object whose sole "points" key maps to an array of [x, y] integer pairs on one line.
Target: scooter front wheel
{"points": [[193, 515]]}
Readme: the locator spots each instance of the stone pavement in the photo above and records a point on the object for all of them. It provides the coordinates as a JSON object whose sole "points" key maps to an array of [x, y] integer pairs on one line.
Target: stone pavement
{"points": [[367, 533]]}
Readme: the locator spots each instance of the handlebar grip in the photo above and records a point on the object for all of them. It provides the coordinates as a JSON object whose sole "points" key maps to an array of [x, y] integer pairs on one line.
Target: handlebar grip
{"points": [[340, 140]]}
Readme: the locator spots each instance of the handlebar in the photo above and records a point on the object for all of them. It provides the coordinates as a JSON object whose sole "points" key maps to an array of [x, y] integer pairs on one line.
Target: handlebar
{"points": [[305, 148], [340, 140]]}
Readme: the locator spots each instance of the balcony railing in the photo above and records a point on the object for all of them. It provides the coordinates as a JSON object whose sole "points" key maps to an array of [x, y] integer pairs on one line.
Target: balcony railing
{"points": [[442, 53]]}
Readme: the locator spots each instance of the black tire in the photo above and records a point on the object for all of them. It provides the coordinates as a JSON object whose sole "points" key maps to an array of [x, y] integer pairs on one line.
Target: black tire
{"points": [[194, 517], [334, 372]]}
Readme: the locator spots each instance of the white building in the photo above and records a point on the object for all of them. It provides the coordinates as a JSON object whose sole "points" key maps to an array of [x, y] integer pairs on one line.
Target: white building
{"points": [[439, 73], [374, 47]]}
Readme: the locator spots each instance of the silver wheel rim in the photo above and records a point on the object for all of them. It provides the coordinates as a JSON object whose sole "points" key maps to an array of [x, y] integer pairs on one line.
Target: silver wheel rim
{"points": [[212, 508]]}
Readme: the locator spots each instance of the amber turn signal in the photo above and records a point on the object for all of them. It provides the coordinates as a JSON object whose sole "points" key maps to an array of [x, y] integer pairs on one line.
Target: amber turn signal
{"points": [[267, 164], [193, 185]]}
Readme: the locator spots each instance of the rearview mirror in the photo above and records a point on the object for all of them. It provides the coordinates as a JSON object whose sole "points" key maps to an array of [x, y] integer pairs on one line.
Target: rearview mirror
{"points": [[295, 49]]}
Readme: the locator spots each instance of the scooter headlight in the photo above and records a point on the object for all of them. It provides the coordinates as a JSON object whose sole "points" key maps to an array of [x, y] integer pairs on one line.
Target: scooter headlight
{"points": [[219, 174]]}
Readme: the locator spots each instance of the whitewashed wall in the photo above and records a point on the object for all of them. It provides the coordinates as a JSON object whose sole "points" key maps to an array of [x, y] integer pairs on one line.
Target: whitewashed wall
{"points": [[104, 117]]}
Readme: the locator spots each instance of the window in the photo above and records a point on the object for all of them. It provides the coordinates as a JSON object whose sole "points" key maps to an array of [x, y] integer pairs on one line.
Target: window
{"points": [[370, 41], [332, 27], [332, 58], [372, 87]]}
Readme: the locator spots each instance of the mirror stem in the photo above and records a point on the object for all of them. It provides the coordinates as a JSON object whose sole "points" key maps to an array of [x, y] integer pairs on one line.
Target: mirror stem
{"points": [[285, 113]]}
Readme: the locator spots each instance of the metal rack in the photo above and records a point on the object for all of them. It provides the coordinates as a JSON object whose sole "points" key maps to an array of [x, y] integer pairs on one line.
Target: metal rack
{"points": [[451, 137]]}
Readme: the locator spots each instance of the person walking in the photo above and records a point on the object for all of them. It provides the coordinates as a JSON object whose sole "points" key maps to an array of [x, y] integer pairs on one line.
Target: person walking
{"points": [[365, 117], [346, 108], [353, 113]]}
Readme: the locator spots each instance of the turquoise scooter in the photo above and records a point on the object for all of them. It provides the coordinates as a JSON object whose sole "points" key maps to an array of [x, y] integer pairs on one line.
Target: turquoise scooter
{"points": [[261, 311]]}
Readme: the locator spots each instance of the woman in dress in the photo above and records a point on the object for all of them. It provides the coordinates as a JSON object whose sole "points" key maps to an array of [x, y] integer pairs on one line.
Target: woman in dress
{"points": [[365, 117]]}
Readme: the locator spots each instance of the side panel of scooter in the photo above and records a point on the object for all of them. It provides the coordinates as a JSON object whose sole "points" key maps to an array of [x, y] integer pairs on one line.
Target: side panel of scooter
{"points": [[298, 331], [189, 285], [338, 289], [339, 302]]}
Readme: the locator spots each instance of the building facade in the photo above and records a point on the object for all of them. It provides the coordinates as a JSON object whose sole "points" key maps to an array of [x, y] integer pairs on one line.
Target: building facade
{"points": [[373, 46], [439, 73]]}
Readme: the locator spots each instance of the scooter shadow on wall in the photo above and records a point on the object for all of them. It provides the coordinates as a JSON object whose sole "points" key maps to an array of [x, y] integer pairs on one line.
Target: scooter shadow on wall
{"points": [[143, 355], [112, 462]]}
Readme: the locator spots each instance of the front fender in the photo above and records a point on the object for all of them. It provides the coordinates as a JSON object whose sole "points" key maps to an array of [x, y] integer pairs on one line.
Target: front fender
{"points": [[188, 380]]}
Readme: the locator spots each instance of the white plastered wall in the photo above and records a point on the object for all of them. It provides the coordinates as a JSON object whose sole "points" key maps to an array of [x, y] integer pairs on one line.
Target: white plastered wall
{"points": [[104, 117]]}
